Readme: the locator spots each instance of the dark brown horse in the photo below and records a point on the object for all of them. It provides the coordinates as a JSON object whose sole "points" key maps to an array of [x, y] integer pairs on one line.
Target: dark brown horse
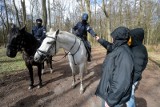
{"points": [[20, 40]]}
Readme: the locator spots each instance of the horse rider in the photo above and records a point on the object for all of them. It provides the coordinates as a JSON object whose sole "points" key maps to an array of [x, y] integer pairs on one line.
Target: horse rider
{"points": [[39, 31], [81, 29]]}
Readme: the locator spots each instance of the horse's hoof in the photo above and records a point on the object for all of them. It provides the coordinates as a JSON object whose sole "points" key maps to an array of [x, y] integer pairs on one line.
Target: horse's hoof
{"points": [[42, 72], [30, 87], [73, 86], [39, 86], [51, 71], [81, 91]]}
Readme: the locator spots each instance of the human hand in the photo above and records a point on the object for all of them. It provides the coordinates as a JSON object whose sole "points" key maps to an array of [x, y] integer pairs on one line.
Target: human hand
{"points": [[97, 38]]}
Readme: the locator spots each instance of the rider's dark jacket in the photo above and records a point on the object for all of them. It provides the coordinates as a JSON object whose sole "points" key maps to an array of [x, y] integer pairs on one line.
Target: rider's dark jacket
{"points": [[81, 30], [116, 81], [39, 32]]}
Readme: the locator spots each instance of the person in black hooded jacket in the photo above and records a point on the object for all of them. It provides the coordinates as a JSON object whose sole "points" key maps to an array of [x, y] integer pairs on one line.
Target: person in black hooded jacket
{"points": [[116, 81], [140, 60]]}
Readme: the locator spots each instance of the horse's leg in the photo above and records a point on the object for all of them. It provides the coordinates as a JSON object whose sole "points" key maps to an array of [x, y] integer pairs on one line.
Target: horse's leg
{"points": [[50, 63], [81, 71], [73, 68], [85, 68], [39, 75], [30, 69], [42, 68]]}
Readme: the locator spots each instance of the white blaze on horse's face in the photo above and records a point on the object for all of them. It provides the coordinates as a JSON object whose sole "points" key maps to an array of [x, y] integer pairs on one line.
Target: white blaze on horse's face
{"points": [[47, 47], [47, 44]]}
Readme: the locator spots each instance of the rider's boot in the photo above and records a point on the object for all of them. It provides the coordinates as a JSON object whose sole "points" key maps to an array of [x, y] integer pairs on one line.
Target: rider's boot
{"points": [[89, 54]]}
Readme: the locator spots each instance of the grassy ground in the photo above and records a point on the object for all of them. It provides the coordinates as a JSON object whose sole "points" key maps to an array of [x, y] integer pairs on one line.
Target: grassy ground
{"points": [[9, 65]]}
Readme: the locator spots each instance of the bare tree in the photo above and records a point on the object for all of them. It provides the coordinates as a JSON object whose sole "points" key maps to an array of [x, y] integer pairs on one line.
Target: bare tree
{"points": [[107, 19], [44, 13], [17, 16], [7, 25], [139, 18], [95, 12], [32, 6], [89, 10], [24, 11], [4, 26], [49, 13], [120, 11]]}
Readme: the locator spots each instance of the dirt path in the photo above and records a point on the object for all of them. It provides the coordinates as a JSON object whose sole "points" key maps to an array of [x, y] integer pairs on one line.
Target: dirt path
{"points": [[57, 91]]}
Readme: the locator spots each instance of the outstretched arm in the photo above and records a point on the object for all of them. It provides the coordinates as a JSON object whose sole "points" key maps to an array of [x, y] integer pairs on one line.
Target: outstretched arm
{"points": [[90, 30], [105, 43]]}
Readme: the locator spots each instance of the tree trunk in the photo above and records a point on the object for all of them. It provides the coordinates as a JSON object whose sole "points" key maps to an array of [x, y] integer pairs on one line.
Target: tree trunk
{"points": [[139, 13], [44, 13], [95, 12], [120, 12], [82, 6], [4, 37], [4, 25], [17, 16], [89, 10], [49, 13], [107, 21], [7, 25], [89, 18], [24, 11]]}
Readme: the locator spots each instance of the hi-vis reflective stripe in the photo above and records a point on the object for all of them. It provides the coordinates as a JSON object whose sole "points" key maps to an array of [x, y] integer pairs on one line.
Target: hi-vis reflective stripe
{"points": [[88, 28]]}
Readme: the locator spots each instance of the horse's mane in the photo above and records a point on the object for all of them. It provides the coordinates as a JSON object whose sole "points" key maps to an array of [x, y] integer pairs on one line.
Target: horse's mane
{"points": [[14, 30], [30, 36], [68, 33], [61, 32]]}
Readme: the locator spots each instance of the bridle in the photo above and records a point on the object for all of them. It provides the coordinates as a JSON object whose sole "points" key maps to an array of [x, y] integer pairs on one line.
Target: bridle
{"points": [[19, 44], [45, 54]]}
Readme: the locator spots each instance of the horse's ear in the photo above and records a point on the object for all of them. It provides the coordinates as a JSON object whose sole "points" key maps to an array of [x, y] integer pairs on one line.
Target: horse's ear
{"points": [[57, 32], [51, 30], [23, 28]]}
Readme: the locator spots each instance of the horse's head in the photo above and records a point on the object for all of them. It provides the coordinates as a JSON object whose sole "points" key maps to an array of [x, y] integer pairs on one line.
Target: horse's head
{"points": [[48, 46], [15, 40]]}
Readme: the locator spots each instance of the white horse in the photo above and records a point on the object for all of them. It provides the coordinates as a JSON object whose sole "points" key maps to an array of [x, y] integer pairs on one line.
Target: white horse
{"points": [[77, 53]]}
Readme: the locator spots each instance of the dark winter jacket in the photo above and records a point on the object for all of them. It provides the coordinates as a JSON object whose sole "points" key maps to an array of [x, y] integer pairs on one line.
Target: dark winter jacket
{"points": [[116, 81], [39, 32], [81, 30], [139, 51]]}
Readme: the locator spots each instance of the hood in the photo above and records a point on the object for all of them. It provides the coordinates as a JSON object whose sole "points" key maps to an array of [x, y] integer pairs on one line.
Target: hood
{"points": [[120, 36], [137, 36]]}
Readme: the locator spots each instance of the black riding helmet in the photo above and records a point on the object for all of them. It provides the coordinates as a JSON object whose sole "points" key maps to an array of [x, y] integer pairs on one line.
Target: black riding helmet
{"points": [[84, 17], [39, 20]]}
